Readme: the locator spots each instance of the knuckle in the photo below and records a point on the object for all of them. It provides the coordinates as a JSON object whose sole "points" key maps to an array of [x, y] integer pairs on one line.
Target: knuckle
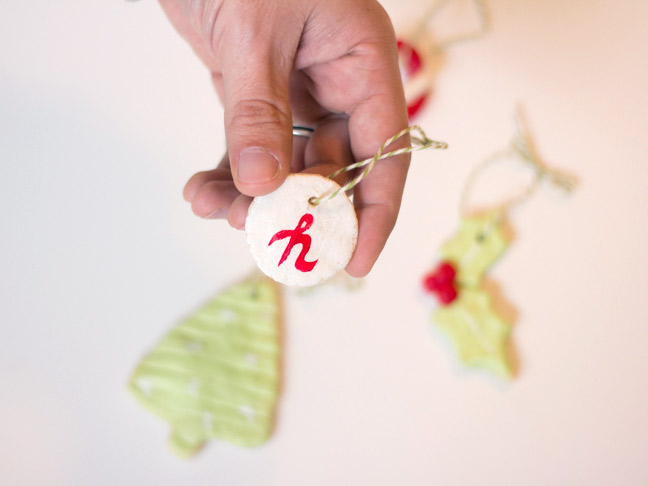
{"points": [[236, 26], [388, 210], [391, 210], [202, 14], [375, 55], [257, 113]]}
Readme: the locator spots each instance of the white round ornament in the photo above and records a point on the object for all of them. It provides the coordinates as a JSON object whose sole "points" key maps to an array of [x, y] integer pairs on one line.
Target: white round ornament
{"points": [[298, 243]]}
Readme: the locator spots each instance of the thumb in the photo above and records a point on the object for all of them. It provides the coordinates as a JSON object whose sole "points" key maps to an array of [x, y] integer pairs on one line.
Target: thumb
{"points": [[258, 120]]}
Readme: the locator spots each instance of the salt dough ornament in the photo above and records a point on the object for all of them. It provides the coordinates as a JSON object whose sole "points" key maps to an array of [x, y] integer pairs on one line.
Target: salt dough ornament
{"points": [[476, 246], [216, 374], [416, 53], [478, 334], [417, 81], [296, 242], [306, 231]]}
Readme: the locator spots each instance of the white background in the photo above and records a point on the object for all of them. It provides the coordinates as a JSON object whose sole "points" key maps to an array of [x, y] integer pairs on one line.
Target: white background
{"points": [[104, 113]]}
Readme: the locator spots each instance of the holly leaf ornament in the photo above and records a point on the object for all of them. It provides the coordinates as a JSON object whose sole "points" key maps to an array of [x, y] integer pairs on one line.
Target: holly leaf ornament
{"points": [[478, 334], [216, 374], [476, 246]]}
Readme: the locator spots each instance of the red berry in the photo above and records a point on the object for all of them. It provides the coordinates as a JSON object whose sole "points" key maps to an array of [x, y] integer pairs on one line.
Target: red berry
{"points": [[445, 273], [441, 282], [447, 294], [431, 283]]}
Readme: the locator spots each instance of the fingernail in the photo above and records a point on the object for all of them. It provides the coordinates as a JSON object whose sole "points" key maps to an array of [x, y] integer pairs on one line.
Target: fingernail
{"points": [[255, 165], [218, 214]]}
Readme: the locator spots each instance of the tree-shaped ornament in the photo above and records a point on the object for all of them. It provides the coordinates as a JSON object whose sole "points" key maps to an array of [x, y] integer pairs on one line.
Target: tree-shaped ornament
{"points": [[216, 374]]}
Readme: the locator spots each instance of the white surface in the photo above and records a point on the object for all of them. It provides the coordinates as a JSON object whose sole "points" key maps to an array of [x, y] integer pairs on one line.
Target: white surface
{"points": [[104, 114]]}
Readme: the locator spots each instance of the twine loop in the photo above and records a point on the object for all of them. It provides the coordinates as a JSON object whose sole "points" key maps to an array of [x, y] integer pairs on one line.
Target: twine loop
{"points": [[440, 5], [523, 151], [419, 141]]}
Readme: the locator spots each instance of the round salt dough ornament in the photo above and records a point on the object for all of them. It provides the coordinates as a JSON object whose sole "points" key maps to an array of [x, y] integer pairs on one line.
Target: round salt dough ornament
{"points": [[298, 243]]}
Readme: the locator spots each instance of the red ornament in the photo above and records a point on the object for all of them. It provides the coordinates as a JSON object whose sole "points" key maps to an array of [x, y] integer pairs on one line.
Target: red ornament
{"points": [[441, 282], [412, 65], [415, 106]]}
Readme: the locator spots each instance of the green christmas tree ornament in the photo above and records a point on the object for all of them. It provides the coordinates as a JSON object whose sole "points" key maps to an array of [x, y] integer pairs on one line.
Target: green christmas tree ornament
{"points": [[216, 375]]}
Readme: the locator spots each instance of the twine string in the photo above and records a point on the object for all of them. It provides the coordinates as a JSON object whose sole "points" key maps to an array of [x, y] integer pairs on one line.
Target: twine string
{"points": [[438, 6], [522, 150], [419, 141]]}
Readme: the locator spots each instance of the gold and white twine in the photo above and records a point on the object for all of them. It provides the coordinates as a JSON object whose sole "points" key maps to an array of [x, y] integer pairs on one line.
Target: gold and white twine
{"points": [[522, 151], [419, 141]]}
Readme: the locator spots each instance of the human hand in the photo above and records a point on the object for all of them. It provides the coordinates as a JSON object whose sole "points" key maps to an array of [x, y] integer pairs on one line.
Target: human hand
{"points": [[327, 64]]}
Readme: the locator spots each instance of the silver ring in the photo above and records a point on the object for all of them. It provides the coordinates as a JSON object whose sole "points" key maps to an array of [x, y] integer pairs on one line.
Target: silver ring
{"points": [[302, 131]]}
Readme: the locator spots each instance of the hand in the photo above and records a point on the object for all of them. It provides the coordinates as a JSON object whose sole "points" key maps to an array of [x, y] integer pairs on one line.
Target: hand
{"points": [[327, 64]]}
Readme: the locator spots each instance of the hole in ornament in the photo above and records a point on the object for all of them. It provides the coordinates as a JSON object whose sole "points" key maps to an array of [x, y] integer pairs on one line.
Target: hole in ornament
{"points": [[313, 201]]}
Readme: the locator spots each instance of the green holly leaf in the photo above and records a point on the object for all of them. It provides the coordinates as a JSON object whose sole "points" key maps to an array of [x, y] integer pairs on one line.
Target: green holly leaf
{"points": [[475, 247], [216, 374], [478, 334]]}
